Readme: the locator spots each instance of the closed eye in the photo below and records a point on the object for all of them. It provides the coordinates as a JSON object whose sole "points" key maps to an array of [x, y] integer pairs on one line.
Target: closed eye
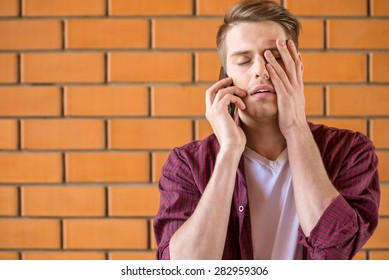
{"points": [[243, 62]]}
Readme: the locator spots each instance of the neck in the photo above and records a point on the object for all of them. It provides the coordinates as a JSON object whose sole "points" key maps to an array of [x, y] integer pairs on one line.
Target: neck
{"points": [[264, 137]]}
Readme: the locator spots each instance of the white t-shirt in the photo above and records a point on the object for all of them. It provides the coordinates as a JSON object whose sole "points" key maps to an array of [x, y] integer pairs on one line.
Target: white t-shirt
{"points": [[273, 214]]}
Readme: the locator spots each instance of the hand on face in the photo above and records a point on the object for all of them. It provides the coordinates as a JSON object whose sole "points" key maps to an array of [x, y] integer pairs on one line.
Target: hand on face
{"points": [[288, 83], [218, 97]]}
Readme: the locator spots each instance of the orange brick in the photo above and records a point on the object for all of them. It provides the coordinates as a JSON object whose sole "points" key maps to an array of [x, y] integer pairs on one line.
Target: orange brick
{"points": [[150, 67], [107, 33], [8, 70], [203, 129], [312, 34], [380, 238], [361, 255], [30, 168], [334, 67], [351, 124], [9, 256], [105, 234], [358, 34], [30, 34], [63, 201], [358, 101], [214, 7], [159, 160], [380, 8], [63, 134], [9, 8], [185, 33], [314, 102], [150, 7], [63, 255], [9, 134], [63, 7], [107, 167], [133, 201], [62, 67], [379, 255], [384, 204], [147, 255], [327, 7], [380, 133], [383, 166], [30, 101], [379, 62], [150, 133], [106, 101], [29, 234], [178, 101], [207, 66], [9, 201]]}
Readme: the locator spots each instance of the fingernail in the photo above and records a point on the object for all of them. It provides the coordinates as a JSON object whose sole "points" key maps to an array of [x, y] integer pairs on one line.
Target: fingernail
{"points": [[268, 54], [281, 42], [291, 43]]}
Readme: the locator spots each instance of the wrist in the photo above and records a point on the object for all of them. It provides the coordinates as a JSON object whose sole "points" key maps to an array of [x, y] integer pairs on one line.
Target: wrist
{"points": [[299, 131], [232, 154]]}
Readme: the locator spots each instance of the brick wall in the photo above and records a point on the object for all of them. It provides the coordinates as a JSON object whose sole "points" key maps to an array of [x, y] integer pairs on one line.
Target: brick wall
{"points": [[95, 93]]}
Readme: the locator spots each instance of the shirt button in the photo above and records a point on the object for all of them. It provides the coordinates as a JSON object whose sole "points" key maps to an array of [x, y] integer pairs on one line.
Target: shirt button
{"points": [[241, 209]]}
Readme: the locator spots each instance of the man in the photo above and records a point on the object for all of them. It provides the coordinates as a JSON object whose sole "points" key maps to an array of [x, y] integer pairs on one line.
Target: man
{"points": [[268, 185]]}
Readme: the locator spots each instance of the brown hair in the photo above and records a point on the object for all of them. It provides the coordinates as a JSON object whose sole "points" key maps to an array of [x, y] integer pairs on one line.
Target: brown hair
{"points": [[257, 11]]}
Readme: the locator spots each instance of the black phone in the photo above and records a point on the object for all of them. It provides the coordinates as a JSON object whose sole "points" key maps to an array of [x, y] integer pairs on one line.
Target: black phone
{"points": [[232, 106]]}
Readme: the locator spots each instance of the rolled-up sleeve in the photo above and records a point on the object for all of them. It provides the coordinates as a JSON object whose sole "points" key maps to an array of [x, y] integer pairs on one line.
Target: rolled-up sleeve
{"points": [[178, 200], [350, 220]]}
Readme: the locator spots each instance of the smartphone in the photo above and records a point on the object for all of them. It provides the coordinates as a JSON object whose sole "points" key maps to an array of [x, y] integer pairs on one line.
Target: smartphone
{"points": [[231, 107]]}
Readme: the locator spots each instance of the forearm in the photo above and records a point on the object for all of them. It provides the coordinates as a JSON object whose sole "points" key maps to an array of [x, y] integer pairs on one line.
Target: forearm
{"points": [[313, 190], [203, 235]]}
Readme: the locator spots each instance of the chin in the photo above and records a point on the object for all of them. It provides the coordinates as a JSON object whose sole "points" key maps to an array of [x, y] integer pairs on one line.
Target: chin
{"points": [[259, 115]]}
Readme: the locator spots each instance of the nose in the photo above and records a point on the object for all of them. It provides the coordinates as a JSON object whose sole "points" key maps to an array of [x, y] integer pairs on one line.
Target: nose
{"points": [[260, 68]]}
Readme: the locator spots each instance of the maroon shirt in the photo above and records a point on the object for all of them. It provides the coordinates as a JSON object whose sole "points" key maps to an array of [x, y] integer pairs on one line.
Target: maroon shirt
{"points": [[343, 229]]}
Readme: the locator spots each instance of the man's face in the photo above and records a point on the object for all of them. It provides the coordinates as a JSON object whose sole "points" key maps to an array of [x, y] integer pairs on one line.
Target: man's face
{"points": [[245, 63]]}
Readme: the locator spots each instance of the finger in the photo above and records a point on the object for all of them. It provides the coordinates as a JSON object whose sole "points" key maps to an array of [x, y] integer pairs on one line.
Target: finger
{"points": [[211, 92], [228, 99], [283, 77], [292, 50], [233, 90], [300, 67], [288, 59], [297, 59], [276, 80], [238, 102]]}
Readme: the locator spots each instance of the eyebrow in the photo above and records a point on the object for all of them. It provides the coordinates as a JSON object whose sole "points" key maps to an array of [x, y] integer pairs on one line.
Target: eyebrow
{"points": [[247, 52], [239, 53]]}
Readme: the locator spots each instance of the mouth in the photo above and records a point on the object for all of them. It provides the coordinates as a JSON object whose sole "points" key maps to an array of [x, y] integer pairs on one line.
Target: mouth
{"points": [[262, 89]]}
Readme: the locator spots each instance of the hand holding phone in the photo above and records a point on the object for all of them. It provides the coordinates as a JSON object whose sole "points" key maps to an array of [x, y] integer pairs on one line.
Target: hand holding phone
{"points": [[231, 107], [218, 98]]}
